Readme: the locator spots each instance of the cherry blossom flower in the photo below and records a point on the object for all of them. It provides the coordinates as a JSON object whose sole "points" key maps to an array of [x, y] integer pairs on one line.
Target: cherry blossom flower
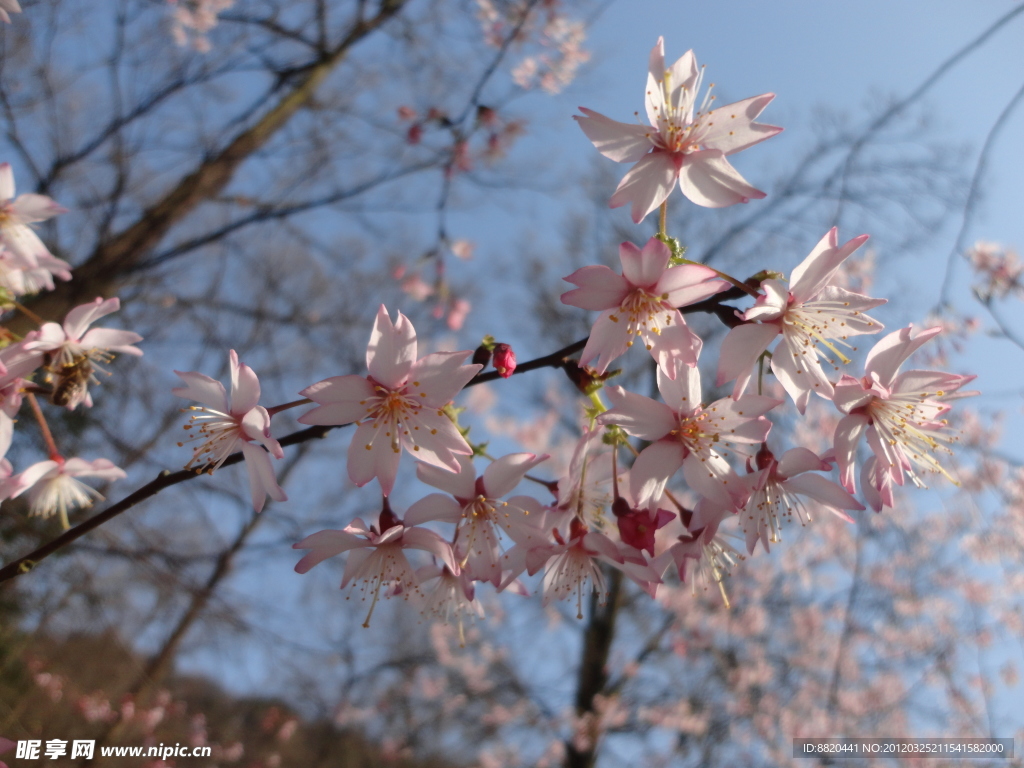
{"points": [[475, 506], [228, 424], [642, 302], [16, 214], [74, 352], [900, 414], [377, 554], [20, 281], [400, 404], [585, 491], [680, 145], [711, 555], [448, 596], [54, 488], [1001, 268], [775, 490], [683, 433], [810, 314]]}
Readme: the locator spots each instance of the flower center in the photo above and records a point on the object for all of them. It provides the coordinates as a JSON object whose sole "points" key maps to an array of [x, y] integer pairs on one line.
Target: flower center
{"points": [[643, 313], [393, 410], [219, 432]]}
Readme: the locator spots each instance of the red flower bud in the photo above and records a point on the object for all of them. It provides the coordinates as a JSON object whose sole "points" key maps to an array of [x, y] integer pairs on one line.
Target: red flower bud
{"points": [[504, 360]]}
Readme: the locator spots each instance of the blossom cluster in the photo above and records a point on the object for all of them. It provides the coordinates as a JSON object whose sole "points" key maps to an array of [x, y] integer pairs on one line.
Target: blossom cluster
{"points": [[59, 360], [700, 466]]}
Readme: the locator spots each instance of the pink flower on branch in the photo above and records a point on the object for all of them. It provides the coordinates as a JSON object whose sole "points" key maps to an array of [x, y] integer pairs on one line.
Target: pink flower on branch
{"points": [[776, 488], [74, 351], [643, 302], [399, 405], [475, 506], [684, 142], [16, 214], [228, 424], [54, 488], [377, 554], [814, 319], [683, 433], [900, 413]]}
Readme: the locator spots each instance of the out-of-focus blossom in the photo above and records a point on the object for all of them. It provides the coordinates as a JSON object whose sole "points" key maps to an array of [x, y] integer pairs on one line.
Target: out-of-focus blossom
{"points": [[810, 314], [475, 506], [73, 352], [192, 21], [642, 303], [16, 214], [377, 555], [900, 413], [7, 7], [1001, 269], [399, 405], [463, 249], [230, 423], [54, 488], [684, 433], [684, 143]]}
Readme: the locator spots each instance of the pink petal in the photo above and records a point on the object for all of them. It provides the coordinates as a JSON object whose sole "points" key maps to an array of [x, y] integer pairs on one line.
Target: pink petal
{"points": [[798, 377], [796, 461], [113, 340], [435, 440], [504, 474], [599, 288], [930, 383], [653, 468], [740, 349], [849, 393], [689, 283], [262, 481], [621, 142], [892, 351], [711, 477], [360, 564], [706, 178], [30, 208], [731, 128], [818, 268], [639, 416], [771, 304], [81, 317], [325, 544], [6, 182], [609, 339], [104, 469], [371, 455], [428, 541], [681, 394], [438, 377], [655, 62], [647, 185], [21, 482], [825, 491], [392, 349], [644, 268], [675, 348], [461, 484], [602, 545], [436, 506], [848, 433], [342, 400], [245, 387], [202, 389]]}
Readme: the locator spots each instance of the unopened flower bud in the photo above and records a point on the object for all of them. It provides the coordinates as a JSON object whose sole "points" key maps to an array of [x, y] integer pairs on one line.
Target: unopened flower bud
{"points": [[504, 360], [482, 355]]}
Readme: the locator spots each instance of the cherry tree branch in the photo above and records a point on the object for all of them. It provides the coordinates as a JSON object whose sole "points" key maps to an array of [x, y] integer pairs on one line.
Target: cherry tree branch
{"points": [[167, 479]]}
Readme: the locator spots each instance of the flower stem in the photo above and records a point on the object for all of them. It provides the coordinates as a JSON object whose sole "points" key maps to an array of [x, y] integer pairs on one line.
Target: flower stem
{"points": [[29, 314], [663, 219], [51, 446], [728, 278], [286, 406]]}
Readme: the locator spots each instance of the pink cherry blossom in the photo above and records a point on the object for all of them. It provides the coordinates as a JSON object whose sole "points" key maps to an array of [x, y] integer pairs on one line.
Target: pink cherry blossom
{"points": [[447, 596], [585, 490], [54, 488], [400, 404], [228, 424], [642, 302], [683, 433], [680, 145], [775, 490], [8, 6], [475, 506], [16, 214], [377, 554], [20, 281], [74, 351], [810, 314], [900, 414]]}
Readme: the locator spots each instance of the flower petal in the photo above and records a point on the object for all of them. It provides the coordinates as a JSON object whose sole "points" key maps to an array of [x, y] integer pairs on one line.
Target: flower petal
{"points": [[689, 283], [639, 416], [428, 541], [342, 400], [461, 484], [370, 455], [814, 272], [711, 476], [113, 340], [681, 394], [892, 351], [740, 349], [438, 377], [436, 506], [621, 142], [202, 389], [653, 468], [392, 349], [796, 461], [706, 178], [81, 317], [609, 339], [30, 208], [823, 490], [504, 474], [6, 182], [325, 544], [647, 185], [848, 433], [262, 481], [732, 128], [771, 304], [599, 288], [245, 386], [644, 268]]}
